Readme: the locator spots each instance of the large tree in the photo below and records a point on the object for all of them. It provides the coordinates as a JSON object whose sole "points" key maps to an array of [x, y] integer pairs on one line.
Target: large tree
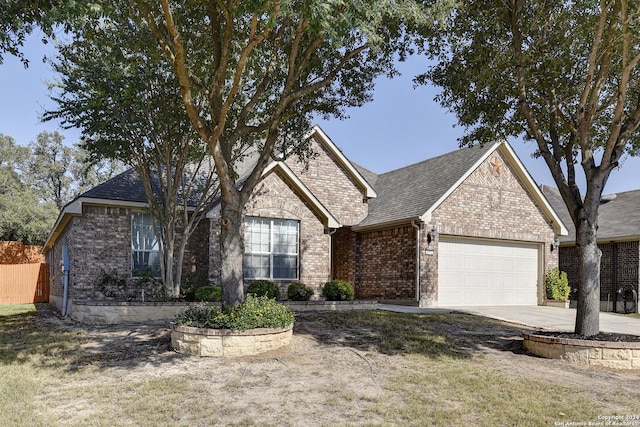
{"points": [[24, 217], [562, 73], [252, 74], [126, 102]]}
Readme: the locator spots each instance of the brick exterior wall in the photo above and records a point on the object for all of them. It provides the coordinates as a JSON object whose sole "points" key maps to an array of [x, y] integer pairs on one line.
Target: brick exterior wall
{"points": [[386, 264], [492, 203], [626, 273], [101, 238], [330, 184], [486, 205]]}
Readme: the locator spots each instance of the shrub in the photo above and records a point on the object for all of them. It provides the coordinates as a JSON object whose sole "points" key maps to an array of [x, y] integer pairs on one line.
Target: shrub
{"points": [[297, 291], [338, 290], [264, 288], [209, 293], [254, 312], [557, 285]]}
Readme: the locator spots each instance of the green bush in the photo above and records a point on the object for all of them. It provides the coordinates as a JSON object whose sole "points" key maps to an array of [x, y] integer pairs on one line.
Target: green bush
{"points": [[338, 290], [298, 291], [254, 312], [209, 293], [264, 288], [557, 285]]}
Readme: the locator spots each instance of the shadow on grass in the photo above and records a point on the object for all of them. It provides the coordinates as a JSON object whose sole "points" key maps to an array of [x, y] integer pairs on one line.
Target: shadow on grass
{"points": [[431, 335], [44, 339]]}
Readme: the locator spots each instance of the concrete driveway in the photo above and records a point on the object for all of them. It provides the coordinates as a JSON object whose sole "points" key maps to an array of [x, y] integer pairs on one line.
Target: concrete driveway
{"points": [[538, 317]]}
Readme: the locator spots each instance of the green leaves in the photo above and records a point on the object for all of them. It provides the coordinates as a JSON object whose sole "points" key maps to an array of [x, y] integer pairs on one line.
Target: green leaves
{"points": [[254, 312]]}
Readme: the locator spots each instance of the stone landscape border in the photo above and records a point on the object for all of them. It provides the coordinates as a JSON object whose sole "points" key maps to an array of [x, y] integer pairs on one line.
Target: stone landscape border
{"points": [[610, 354], [117, 312], [228, 343]]}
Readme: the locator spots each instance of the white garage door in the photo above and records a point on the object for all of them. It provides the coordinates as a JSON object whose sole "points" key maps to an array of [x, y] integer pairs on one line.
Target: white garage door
{"points": [[487, 273]]}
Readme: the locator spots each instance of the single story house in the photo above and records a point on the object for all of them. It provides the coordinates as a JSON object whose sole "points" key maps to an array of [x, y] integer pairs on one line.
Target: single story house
{"points": [[618, 239], [469, 227]]}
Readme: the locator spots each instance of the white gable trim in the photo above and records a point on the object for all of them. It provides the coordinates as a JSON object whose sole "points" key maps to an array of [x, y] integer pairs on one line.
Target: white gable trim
{"points": [[74, 208], [330, 220], [369, 192], [522, 173]]}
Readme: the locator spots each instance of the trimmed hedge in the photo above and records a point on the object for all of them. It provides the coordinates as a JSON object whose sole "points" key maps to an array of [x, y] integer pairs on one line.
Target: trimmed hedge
{"points": [[338, 290], [209, 294], [264, 288], [298, 291]]}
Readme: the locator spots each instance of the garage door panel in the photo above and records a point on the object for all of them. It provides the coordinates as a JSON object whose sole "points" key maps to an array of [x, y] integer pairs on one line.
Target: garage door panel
{"points": [[475, 272]]}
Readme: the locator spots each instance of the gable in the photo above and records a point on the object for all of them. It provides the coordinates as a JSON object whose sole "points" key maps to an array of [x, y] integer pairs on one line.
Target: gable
{"points": [[333, 180], [493, 202]]}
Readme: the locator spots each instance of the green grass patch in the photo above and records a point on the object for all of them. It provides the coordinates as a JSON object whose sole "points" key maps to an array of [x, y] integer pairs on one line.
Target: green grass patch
{"points": [[13, 309]]}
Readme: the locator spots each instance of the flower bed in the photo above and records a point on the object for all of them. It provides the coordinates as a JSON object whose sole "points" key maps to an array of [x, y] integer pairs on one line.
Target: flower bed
{"points": [[610, 354], [225, 342]]}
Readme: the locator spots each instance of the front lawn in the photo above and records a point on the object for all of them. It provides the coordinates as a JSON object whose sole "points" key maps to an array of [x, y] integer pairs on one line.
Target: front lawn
{"points": [[355, 368]]}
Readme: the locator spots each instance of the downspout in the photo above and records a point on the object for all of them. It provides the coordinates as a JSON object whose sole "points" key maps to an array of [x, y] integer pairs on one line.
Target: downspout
{"points": [[65, 278], [417, 227], [331, 233], [615, 276]]}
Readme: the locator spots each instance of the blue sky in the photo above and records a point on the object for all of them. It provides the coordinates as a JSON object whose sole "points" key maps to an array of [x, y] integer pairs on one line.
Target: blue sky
{"points": [[403, 125]]}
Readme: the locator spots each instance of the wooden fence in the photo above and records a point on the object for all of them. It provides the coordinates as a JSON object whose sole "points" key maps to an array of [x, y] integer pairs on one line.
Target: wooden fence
{"points": [[24, 283]]}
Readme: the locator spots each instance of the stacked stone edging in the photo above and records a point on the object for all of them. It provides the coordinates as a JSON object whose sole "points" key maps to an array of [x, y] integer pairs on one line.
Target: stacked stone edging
{"points": [[116, 312], [229, 343], [610, 354]]}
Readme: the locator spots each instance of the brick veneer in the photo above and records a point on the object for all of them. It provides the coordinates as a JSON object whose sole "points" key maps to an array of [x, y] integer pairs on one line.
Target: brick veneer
{"points": [[627, 271], [273, 198], [486, 205], [101, 239], [328, 181]]}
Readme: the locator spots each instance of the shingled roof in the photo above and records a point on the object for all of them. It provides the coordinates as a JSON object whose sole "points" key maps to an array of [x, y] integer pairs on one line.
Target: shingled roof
{"points": [[126, 186], [411, 191], [618, 215]]}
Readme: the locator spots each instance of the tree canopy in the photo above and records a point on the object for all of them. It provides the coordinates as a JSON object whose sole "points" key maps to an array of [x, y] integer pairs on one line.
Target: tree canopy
{"points": [[126, 102], [252, 75], [564, 74]]}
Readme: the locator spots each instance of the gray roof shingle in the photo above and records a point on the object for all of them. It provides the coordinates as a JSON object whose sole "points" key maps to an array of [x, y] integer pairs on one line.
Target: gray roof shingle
{"points": [[409, 192], [618, 214], [126, 186]]}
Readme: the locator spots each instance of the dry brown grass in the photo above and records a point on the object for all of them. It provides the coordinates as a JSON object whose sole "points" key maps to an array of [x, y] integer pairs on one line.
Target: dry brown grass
{"points": [[359, 368]]}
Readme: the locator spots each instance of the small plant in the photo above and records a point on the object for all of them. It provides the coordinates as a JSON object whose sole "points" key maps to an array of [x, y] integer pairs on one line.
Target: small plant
{"points": [[110, 282], [264, 288], [209, 294], [557, 285], [338, 290], [254, 312], [298, 291]]}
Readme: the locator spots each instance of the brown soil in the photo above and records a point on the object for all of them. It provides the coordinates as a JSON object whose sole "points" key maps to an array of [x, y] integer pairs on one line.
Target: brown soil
{"points": [[324, 361]]}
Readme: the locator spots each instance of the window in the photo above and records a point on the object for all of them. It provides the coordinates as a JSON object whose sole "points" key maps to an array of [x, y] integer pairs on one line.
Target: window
{"points": [[271, 248], [144, 246]]}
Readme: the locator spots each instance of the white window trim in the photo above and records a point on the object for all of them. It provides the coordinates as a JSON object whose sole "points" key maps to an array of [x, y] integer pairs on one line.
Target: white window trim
{"points": [[271, 252], [134, 272]]}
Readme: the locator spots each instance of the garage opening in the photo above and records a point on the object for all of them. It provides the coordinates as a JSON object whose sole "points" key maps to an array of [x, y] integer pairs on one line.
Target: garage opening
{"points": [[485, 272]]}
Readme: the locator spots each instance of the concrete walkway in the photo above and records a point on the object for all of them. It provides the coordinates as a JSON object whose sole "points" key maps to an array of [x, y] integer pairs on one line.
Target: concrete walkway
{"points": [[538, 317]]}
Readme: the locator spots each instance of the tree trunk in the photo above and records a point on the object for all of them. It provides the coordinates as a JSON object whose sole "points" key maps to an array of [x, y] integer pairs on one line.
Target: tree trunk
{"points": [[588, 312], [231, 251]]}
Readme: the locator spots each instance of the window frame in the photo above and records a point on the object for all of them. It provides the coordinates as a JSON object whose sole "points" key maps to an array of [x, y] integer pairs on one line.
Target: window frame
{"points": [[154, 271], [271, 252]]}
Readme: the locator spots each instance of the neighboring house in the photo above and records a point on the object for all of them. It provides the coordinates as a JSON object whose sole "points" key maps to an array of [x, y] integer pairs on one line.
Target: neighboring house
{"points": [[466, 228], [618, 239]]}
